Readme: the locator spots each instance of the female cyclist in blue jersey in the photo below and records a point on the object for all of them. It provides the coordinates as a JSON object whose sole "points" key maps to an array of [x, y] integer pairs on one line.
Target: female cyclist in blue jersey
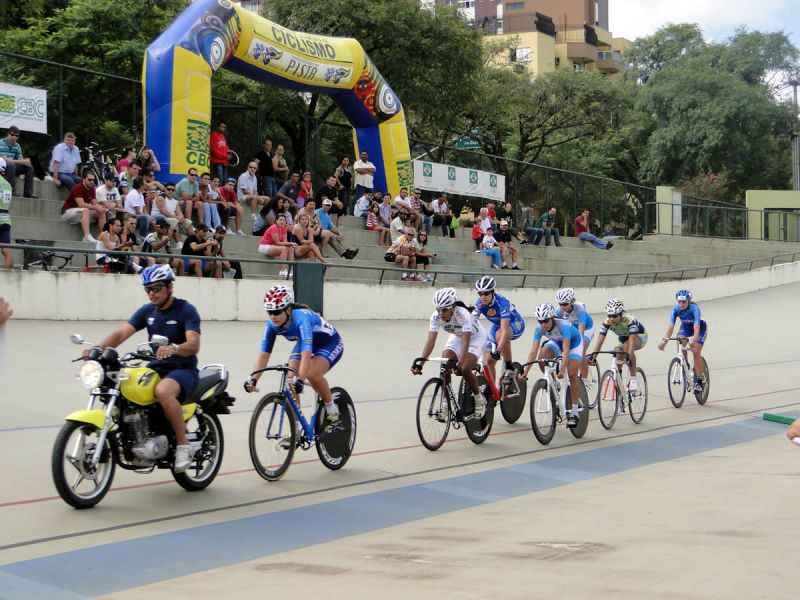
{"points": [[507, 323], [578, 316], [562, 340], [631, 334], [692, 327], [319, 346]]}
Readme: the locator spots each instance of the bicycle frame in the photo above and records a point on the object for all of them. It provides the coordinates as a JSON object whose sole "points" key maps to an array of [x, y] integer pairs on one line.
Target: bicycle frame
{"points": [[682, 352], [550, 371], [309, 425]]}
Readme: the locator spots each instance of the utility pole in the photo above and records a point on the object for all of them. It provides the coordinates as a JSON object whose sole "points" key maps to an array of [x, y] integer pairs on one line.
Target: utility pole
{"points": [[794, 83]]}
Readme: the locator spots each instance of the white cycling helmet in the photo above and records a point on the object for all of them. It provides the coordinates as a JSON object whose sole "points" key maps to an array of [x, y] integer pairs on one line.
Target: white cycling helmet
{"points": [[545, 311], [278, 297], [485, 284], [614, 307], [565, 296], [444, 298]]}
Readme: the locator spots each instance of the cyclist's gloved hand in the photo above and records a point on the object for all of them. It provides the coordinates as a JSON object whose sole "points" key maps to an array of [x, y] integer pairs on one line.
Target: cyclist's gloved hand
{"points": [[298, 386], [495, 355], [416, 366], [250, 385]]}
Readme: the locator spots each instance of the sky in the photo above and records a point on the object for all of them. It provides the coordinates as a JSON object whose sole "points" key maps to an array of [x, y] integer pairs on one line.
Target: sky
{"points": [[718, 18]]}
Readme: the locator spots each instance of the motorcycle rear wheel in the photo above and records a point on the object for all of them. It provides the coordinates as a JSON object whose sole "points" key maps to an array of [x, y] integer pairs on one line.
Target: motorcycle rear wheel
{"points": [[208, 459]]}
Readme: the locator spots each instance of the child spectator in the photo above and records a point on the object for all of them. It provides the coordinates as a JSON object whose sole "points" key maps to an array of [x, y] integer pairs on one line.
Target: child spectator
{"points": [[374, 224]]}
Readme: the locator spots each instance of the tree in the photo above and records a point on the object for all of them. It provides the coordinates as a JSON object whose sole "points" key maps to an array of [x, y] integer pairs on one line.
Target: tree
{"points": [[649, 55]]}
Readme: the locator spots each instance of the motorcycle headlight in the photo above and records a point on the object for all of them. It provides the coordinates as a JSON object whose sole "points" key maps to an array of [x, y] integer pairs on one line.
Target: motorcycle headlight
{"points": [[91, 374]]}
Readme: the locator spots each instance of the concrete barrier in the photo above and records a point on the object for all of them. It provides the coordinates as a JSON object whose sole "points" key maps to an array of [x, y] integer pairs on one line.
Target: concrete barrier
{"points": [[101, 297]]}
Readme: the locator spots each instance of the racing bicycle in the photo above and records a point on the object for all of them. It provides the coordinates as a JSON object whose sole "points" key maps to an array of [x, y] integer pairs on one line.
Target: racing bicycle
{"points": [[680, 376], [548, 404], [614, 394]]}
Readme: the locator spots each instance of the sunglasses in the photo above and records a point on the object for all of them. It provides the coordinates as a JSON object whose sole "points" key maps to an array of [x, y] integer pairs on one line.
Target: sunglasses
{"points": [[170, 189], [485, 293], [13, 135], [90, 179], [275, 313], [192, 174], [155, 288], [543, 322], [563, 303]]}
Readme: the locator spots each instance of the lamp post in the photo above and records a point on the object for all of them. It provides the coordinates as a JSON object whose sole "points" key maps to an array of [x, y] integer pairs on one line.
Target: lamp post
{"points": [[794, 83]]}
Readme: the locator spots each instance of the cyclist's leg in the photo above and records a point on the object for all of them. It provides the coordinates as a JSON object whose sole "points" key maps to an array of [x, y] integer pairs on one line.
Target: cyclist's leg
{"points": [[548, 351], [697, 349], [587, 340], [323, 360], [634, 343], [572, 364], [491, 362], [452, 350]]}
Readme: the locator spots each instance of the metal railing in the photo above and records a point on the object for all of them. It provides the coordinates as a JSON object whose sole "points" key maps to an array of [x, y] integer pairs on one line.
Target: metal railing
{"points": [[514, 279]]}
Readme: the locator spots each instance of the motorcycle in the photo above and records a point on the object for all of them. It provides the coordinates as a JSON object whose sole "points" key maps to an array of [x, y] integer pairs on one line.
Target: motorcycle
{"points": [[123, 425]]}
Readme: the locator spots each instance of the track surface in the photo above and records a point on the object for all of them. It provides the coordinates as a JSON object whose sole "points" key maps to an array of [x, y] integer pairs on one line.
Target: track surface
{"points": [[694, 503]]}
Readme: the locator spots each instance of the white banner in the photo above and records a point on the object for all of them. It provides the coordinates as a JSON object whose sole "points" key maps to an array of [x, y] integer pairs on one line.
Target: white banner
{"points": [[24, 107], [437, 177]]}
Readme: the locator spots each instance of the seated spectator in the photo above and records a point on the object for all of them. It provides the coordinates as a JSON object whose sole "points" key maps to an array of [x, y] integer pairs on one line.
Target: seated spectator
{"points": [[196, 245], [290, 190], [131, 172], [81, 207], [134, 205], [506, 213], [304, 238], [108, 240], [363, 205], [398, 226], [424, 257], [275, 244], [107, 195], [331, 191], [167, 207], [158, 242], [467, 216], [281, 208], [477, 235], [229, 206], [443, 216], [5, 216], [489, 248], [247, 189], [187, 192], [128, 156], [423, 209], [405, 252], [209, 200], [147, 158], [234, 267], [485, 221], [335, 240], [491, 210], [127, 242], [506, 243], [306, 192], [66, 158], [546, 227], [374, 224], [582, 225], [216, 268], [16, 163], [402, 204]]}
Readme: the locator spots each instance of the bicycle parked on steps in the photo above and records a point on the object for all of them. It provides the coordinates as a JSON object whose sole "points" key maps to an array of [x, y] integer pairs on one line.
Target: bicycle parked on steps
{"points": [[548, 404], [614, 396], [680, 375]]}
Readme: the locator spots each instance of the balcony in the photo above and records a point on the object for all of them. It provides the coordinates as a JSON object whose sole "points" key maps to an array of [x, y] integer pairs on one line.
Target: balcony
{"points": [[581, 42], [608, 62], [603, 38]]}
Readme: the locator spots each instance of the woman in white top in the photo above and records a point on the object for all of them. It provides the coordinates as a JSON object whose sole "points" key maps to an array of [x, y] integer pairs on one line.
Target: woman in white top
{"points": [[489, 248], [108, 240]]}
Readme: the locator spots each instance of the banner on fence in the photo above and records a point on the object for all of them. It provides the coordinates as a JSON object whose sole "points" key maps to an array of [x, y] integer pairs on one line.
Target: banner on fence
{"points": [[24, 107], [438, 177]]}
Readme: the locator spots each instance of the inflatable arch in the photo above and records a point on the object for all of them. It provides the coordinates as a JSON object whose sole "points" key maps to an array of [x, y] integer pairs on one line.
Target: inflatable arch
{"points": [[210, 34]]}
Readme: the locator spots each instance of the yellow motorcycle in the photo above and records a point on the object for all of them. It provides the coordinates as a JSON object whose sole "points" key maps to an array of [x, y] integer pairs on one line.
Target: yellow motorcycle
{"points": [[123, 425]]}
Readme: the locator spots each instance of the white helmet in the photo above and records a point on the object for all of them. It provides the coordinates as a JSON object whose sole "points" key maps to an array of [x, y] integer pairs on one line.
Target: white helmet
{"points": [[614, 307], [545, 311], [278, 297], [444, 298], [485, 284], [565, 296]]}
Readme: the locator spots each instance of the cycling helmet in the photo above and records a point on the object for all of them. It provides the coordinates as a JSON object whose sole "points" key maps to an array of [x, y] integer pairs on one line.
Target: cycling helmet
{"points": [[278, 297], [614, 307], [485, 284], [565, 296], [156, 273], [444, 298], [683, 295], [545, 311]]}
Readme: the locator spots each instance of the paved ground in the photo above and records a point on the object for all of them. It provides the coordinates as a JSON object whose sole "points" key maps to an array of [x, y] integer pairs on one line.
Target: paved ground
{"points": [[694, 503]]}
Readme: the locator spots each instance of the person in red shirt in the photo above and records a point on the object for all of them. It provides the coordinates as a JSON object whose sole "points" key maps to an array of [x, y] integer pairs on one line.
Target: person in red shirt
{"points": [[582, 225], [219, 152], [275, 243], [230, 207], [81, 206], [492, 212]]}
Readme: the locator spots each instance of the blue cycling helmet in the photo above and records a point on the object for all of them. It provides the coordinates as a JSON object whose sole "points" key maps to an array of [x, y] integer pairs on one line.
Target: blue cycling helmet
{"points": [[157, 273], [683, 295]]}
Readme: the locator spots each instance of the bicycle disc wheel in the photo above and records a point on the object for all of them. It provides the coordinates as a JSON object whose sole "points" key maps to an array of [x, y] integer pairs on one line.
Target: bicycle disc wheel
{"points": [[676, 383], [335, 442], [433, 414], [273, 436], [583, 420], [637, 402], [608, 400], [702, 397], [543, 412], [477, 429], [592, 384], [513, 407]]}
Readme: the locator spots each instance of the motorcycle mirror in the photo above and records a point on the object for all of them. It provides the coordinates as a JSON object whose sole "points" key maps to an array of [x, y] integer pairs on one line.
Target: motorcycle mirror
{"points": [[77, 339], [159, 340]]}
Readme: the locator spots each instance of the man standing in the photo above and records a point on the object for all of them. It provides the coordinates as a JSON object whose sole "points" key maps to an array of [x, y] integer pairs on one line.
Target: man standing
{"points": [[365, 171], [582, 225], [16, 164], [81, 206], [219, 151], [64, 165], [247, 189], [266, 171]]}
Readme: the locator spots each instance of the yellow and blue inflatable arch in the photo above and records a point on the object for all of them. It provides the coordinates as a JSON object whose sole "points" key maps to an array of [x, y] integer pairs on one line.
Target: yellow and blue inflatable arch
{"points": [[211, 34]]}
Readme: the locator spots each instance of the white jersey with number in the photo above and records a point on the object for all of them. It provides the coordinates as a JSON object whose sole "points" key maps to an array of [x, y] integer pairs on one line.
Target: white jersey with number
{"points": [[462, 322]]}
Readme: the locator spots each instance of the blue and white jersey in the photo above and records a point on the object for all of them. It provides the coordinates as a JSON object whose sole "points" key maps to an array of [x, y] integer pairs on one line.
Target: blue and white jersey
{"points": [[561, 330], [687, 316], [306, 327], [579, 316], [499, 309]]}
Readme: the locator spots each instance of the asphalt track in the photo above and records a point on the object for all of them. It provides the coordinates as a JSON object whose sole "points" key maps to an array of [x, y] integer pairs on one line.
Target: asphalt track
{"points": [[694, 503]]}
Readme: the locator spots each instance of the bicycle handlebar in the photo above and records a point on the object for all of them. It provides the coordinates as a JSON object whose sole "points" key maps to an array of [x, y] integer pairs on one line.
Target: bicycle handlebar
{"points": [[282, 368], [678, 338], [591, 355], [542, 360]]}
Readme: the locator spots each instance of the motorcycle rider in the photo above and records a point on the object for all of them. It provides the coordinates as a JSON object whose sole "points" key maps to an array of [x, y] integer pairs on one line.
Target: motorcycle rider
{"points": [[176, 363]]}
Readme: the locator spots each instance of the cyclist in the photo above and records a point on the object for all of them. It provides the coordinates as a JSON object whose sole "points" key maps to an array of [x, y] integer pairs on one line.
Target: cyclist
{"points": [[578, 316], [562, 340], [319, 346], [692, 327], [629, 330], [176, 364], [507, 323], [467, 341]]}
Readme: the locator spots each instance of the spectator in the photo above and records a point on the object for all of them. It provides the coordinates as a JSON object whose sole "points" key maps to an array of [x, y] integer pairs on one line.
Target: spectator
{"points": [[279, 166], [187, 191], [506, 243], [290, 190], [484, 221], [363, 205], [128, 156], [131, 172], [247, 189], [386, 212], [147, 158], [266, 171], [546, 227], [209, 200], [134, 205], [65, 161], [107, 195], [306, 192], [304, 238], [364, 174], [107, 241], [127, 242], [489, 248], [344, 183], [282, 208], [405, 252], [81, 207], [424, 257], [477, 235], [5, 216], [275, 244], [219, 152], [229, 206], [334, 240], [582, 225], [196, 245], [16, 163], [331, 191], [506, 213], [398, 226], [226, 266], [423, 209], [443, 216], [158, 241], [490, 208], [467, 216], [402, 203], [374, 224], [167, 206]]}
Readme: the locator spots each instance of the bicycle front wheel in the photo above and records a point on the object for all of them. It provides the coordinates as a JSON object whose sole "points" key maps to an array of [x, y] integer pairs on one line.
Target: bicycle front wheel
{"points": [[543, 412], [637, 401], [608, 400], [592, 384], [273, 436], [676, 382], [433, 414]]}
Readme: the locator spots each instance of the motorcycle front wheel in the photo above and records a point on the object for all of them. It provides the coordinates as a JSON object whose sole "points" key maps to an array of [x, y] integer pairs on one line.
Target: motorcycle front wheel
{"points": [[78, 483]]}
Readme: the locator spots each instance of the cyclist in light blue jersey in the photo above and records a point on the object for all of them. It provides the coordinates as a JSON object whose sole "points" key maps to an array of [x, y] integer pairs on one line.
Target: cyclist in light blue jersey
{"points": [[507, 323], [692, 327], [319, 346], [562, 340], [578, 316]]}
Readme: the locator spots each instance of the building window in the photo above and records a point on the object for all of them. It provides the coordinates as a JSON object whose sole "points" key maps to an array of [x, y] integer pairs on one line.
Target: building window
{"points": [[515, 6], [499, 26], [523, 55], [579, 67]]}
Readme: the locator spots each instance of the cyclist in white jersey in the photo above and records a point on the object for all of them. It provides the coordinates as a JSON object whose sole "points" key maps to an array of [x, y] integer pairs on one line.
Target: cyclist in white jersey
{"points": [[578, 316]]}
